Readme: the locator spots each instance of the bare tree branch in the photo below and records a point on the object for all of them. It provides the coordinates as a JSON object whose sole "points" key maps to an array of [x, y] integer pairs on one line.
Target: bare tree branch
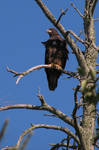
{"points": [[86, 43], [77, 10], [68, 141], [54, 127], [54, 146], [84, 63], [28, 131], [78, 38], [17, 146], [77, 128], [64, 144], [78, 35], [94, 5], [9, 148], [55, 66], [50, 115], [63, 12], [46, 107], [90, 6], [76, 105], [26, 141], [3, 129], [97, 19], [41, 98]]}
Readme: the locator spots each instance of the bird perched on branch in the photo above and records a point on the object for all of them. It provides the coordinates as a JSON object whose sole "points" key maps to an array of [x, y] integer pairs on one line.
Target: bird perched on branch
{"points": [[56, 53]]}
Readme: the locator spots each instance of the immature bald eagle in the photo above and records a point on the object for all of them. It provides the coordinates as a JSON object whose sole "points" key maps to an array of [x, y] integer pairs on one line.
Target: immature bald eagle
{"points": [[56, 53]]}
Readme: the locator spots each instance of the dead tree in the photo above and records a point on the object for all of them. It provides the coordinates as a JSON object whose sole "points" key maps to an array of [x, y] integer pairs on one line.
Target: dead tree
{"points": [[84, 137]]}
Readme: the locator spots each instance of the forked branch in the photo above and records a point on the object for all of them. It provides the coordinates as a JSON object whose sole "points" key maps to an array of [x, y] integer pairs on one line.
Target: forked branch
{"points": [[65, 143], [78, 38], [77, 10], [45, 126], [63, 12], [44, 106], [55, 66]]}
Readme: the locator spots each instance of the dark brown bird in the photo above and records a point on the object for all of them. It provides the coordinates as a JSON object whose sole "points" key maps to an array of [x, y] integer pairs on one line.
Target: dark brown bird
{"points": [[56, 53]]}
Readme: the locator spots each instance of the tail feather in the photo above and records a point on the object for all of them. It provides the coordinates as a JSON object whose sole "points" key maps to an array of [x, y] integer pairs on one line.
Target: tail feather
{"points": [[52, 76], [52, 83]]}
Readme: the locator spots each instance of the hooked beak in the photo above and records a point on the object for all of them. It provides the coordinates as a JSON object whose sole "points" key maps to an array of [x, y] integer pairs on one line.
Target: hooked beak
{"points": [[49, 31]]}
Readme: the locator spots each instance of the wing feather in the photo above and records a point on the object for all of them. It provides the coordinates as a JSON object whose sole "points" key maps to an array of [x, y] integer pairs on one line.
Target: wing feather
{"points": [[56, 53]]}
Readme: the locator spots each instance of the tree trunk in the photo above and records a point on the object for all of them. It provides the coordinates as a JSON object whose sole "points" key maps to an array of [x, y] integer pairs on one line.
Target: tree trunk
{"points": [[89, 95]]}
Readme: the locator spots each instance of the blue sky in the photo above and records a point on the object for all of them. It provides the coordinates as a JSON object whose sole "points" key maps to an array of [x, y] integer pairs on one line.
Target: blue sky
{"points": [[22, 28]]}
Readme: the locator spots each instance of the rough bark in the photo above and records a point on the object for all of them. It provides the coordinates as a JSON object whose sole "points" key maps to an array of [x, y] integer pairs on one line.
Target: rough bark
{"points": [[87, 65], [85, 132], [89, 97]]}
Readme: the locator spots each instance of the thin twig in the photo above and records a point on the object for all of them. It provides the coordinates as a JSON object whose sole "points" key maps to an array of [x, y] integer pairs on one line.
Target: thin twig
{"points": [[9, 148], [77, 10], [97, 71], [97, 19], [25, 142], [96, 79], [17, 146], [97, 113], [50, 115], [68, 142], [97, 64], [77, 128], [41, 98], [28, 131], [54, 146], [83, 42], [78, 38], [76, 105], [3, 129], [63, 12]]}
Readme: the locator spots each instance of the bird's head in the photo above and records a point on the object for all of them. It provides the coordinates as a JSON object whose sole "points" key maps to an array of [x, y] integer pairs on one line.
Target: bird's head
{"points": [[52, 32]]}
